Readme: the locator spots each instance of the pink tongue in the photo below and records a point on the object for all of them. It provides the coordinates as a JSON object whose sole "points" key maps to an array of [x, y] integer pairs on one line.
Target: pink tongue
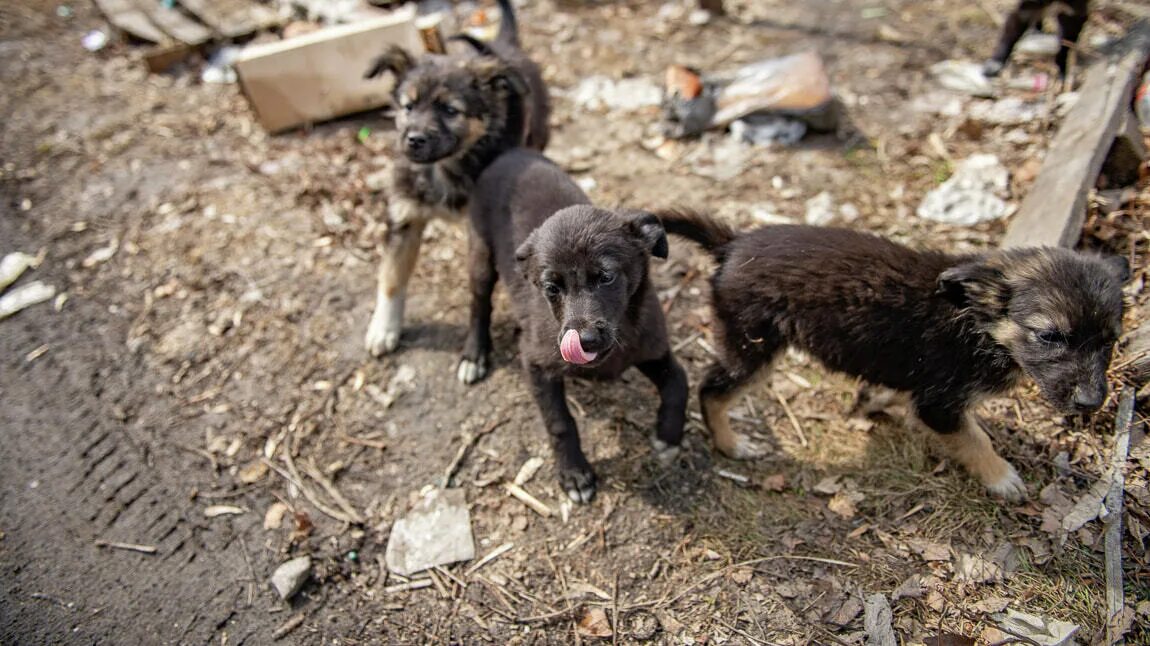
{"points": [[572, 349]]}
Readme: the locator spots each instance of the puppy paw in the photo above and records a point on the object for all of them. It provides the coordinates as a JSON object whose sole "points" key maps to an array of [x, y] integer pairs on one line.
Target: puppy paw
{"points": [[1008, 486], [664, 453], [470, 371], [381, 339], [744, 449], [991, 68], [579, 483]]}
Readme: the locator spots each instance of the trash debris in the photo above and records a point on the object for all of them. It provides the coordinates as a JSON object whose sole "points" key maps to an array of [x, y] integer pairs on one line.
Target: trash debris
{"points": [[25, 296], [820, 209], [436, 532], [1010, 111], [971, 195], [963, 76], [1047, 632], [94, 40], [13, 265], [877, 621], [625, 95], [290, 576], [795, 86], [768, 130]]}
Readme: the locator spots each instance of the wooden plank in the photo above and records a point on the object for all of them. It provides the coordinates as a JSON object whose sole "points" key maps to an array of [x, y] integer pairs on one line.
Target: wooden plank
{"points": [[233, 18], [125, 16], [176, 24], [319, 76], [1053, 211], [1115, 601]]}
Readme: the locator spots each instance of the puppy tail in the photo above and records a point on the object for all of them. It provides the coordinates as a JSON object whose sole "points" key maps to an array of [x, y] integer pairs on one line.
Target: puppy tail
{"points": [[508, 25], [708, 232]]}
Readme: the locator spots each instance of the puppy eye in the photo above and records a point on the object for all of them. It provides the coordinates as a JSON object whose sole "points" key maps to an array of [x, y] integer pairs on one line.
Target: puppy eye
{"points": [[449, 110], [551, 290], [407, 107], [606, 278], [1050, 337]]}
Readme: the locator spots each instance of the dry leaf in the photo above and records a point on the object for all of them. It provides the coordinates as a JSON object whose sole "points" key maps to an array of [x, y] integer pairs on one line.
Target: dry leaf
{"points": [[594, 623], [977, 569], [847, 611], [843, 503], [776, 482], [828, 486], [742, 575], [929, 551], [949, 639], [992, 604]]}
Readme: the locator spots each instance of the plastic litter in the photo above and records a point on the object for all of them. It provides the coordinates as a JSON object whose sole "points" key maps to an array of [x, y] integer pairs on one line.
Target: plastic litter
{"points": [[962, 76]]}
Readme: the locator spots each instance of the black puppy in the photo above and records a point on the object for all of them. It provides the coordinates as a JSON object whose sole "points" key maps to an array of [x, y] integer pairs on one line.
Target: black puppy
{"points": [[454, 115], [581, 293], [1072, 16], [948, 330]]}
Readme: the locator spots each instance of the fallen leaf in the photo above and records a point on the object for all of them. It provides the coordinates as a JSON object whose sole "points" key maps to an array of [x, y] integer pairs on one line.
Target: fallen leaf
{"points": [[858, 531], [847, 612], [594, 623], [742, 575], [776, 482], [948, 639], [912, 588], [828, 486], [223, 510], [843, 503], [929, 550], [1088, 506], [992, 604], [1048, 632], [976, 569]]}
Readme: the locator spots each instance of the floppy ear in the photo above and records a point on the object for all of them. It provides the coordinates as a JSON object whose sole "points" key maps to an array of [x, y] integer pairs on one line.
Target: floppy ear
{"points": [[523, 256], [395, 60], [649, 230], [495, 73], [977, 286], [1118, 266]]}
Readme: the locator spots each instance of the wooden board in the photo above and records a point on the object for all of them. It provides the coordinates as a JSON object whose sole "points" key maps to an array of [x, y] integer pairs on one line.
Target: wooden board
{"points": [[127, 17], [1053, 211], [232, 18], [319, 76]]}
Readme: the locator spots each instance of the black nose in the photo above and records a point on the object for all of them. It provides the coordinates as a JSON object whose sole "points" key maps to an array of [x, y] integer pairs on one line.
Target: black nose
{"points": [[592, 338], [416, 141], [1086, 401]]}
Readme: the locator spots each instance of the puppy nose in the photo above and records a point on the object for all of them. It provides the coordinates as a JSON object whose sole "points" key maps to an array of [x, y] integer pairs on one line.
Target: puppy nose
{"points": [[1086, 400], [416, 141], [592, 338]]}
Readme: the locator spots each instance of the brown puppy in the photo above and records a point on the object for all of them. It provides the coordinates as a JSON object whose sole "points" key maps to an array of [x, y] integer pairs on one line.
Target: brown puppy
{"points": [[1072, 15], [454, 115], [581, 293], [946, 329]]}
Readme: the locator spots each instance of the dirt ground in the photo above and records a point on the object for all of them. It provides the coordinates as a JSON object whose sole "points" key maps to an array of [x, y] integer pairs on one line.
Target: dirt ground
{"points": [[219, 280]]}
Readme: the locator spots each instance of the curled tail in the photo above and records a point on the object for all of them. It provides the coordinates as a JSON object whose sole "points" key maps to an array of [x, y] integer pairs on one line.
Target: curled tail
{"points": [[708, 232], [508, 26]]}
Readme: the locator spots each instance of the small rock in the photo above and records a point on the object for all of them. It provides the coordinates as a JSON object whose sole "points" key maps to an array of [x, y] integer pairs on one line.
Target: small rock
{"points": [[971, 195], [626, 95], [820, 209], [436, 532], [274, 516], [290, 576]]}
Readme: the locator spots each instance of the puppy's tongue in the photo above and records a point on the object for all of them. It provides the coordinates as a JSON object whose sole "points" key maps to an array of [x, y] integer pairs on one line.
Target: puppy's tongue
{"points": [[572, 349]]}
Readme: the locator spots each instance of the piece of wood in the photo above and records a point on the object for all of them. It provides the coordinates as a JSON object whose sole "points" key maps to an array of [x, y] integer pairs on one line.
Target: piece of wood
{"points": [[1112, 541], [232, 18], [162, 58], [877, 621], [128, 18], [319, 76], [1126, 154], [1053, 212]]}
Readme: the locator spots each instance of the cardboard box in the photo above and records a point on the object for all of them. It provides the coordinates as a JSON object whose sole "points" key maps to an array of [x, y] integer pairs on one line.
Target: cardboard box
{"points": [[319, 76]]}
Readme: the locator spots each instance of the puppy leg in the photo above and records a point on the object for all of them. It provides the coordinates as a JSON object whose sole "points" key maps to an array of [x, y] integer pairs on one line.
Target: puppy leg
{"points": [[575, 474], [473, 365], [399, 255], [1019, 20], [671, 380], [965, 442], [1069, 28]]}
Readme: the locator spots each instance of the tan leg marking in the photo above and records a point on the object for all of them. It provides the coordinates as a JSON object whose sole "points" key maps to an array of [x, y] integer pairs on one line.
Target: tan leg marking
{"points": [[395, 269], [971, 448]]}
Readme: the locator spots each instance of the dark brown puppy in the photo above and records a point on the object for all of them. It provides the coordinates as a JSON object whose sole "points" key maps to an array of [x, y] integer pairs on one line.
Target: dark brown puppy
{"points": [[454, 115], [946, 329], [581, 293], [1072, 16]]}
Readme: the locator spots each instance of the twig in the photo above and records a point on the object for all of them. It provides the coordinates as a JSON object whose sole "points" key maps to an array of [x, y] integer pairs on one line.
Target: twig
{"points": [[791, 416], [443, 571], [200, 452], [297, 481], [1115, 603], [469, 440], [529, 500], [287, 627], [374, 444], [491, 556], [329, 486], [410, 585], [685, 342], [131, 547], [741, 479]]}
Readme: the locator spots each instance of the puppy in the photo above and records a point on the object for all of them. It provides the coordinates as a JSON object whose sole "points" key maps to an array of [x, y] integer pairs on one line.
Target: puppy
{"points": [[581, 293], [455, 114], [948, 330], [1072, 16]]}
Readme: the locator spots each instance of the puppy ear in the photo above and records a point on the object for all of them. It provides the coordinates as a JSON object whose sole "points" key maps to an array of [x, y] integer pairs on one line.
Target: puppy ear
{"points": [[977, 286], [649, 230], [395, 60], [495, 73], [1118, 266]]}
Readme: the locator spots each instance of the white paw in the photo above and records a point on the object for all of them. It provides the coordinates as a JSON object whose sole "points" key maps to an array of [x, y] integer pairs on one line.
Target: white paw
{"points": [[1009, 487], [664, 453], [470, 371], [581, 495], [383, 331], [746, 449]]}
